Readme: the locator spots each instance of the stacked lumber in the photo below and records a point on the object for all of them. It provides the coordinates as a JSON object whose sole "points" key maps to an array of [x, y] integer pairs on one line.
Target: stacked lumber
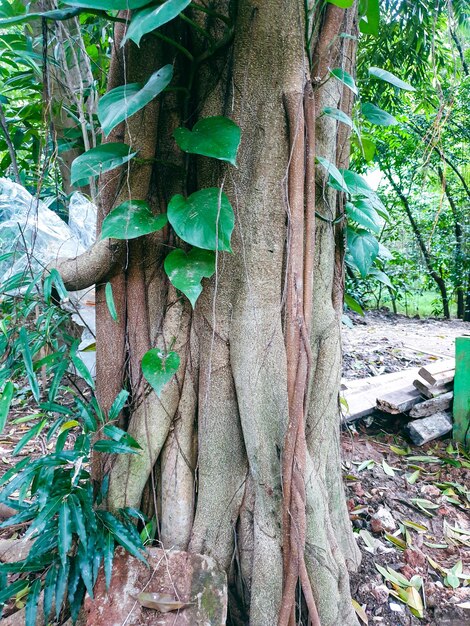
{"points": [[425, 394]]}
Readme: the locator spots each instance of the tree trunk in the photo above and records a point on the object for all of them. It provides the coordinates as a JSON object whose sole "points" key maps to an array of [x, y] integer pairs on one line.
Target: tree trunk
{"points": [[427, 257], [255, 399]]}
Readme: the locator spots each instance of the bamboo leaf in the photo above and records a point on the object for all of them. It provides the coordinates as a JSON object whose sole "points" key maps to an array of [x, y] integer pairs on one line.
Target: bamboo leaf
{"points": [[32, 603], [5, 401], [108, 290]]}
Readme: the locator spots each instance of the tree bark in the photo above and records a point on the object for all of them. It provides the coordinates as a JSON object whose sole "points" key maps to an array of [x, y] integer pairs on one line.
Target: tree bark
{"points": [[244, 441]]}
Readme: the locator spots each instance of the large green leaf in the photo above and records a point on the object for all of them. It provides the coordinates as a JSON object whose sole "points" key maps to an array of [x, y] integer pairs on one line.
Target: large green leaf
{"points": [[65, 531], [370, 11], [334, 174], [108, 5], [5, 401], [122, 535], [122, 102], [77, 517], [381, 74], [363, 248], [362, 212], [374, 115], [205, 219], [49, 590], [108, 550], [131, 219], [113, 447], [343, 4], [345, 78], [28, 363], [12, 590], [339, 115], [32, 603], [368, 148], [186, 271], [216, 137], [152, 18], [98, 160], [159, 367], [358, 187]]}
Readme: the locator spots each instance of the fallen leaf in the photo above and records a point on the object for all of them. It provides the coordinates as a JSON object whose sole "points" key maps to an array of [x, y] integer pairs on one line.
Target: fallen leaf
{"points": [[360, 610], [161, 602]]}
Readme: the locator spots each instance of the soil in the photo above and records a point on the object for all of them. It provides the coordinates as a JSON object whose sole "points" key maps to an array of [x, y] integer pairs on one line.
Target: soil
{"points": [[380, 343]]}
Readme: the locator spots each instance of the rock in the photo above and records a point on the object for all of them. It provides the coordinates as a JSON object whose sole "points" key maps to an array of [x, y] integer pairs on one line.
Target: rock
{"points": [[397, 608], [381, 594], [190, 578], [382, 519], [423, 430]]}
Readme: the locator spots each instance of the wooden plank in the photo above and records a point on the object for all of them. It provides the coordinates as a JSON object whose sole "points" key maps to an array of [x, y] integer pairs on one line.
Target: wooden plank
{"points": [[399, 401], [428, 407], [429, 372], [361, 393], [432, 391], [462, 391]]}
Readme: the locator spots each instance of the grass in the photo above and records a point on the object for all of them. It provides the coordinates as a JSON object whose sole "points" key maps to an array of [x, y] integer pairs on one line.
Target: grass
{"points": [[424, 304]]}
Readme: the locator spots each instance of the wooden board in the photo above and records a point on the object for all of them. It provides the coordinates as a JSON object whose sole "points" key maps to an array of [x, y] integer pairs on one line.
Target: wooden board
{"points": [[430, 372], [432, 391], [434, 405], [399, 401]]}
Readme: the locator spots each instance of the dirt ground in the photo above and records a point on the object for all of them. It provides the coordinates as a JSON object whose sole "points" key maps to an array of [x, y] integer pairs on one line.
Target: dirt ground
{"points": [[425, 529]]}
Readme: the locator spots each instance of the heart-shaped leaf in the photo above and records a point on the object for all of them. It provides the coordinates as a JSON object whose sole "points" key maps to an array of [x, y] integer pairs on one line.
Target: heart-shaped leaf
{"points": [[339, 115], [216, 137], [122, 102], [363, 248], [105, 5], [377, 116], [205, 219], [153, 17], [186, 271], [381, 74], [370, 17], [159, 367], [131, 219], [334, 174], [345, 78], [364, 214], [101, 159]]}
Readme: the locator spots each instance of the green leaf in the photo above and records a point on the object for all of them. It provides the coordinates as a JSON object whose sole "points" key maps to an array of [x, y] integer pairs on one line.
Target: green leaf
{"points": [[32, 603], [343, 4], [363, 248], [118, 404], [98, 160], [353, 304], [117, 434], [369, 24], [217, 137], [108, 291], [122, 535], [108, 5], [132, 219], [186, 271], [122, 102], [28, 436], [28, 363], [85, 568], [345, 78], [159, 368], [61, 585], [381, 277], [49, 590], [365, 215], [65, 532], [339, 115], [80, 366], [381, 74], [113, 447], [12, 590], [64, 14], [152, 18], [387, 468], [333, 173], [205, 219], [368, 148], [77, 517], [377, 116], [108, 557], [5, 401], [53, 277]]}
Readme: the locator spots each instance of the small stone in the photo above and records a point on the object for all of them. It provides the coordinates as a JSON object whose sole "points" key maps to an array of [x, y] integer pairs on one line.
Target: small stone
{"points": [[358, 490], [385, 518], [395, 607], [381, 594]]}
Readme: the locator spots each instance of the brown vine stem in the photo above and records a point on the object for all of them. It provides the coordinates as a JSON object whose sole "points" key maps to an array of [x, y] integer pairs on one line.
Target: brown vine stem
{"points": [[300, 254]]}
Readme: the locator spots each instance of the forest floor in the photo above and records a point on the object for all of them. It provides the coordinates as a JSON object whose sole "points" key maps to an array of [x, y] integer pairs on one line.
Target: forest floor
{"points": [[408, 505], [421, 494]]}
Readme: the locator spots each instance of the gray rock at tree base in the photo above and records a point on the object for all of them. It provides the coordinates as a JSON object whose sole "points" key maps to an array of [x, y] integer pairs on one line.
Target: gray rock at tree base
{"points": [[184, 576], [429, 428]]}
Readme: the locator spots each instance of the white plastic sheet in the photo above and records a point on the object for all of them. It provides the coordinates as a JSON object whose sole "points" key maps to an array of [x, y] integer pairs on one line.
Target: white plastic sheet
{"points": [[37, 236]]}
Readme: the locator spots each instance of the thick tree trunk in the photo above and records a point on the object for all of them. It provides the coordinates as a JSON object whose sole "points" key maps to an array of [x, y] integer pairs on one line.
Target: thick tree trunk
{"points": [[260, 354]]}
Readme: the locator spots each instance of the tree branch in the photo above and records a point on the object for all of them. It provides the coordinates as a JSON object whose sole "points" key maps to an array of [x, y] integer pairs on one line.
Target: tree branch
{"points": [[94, 266]]}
